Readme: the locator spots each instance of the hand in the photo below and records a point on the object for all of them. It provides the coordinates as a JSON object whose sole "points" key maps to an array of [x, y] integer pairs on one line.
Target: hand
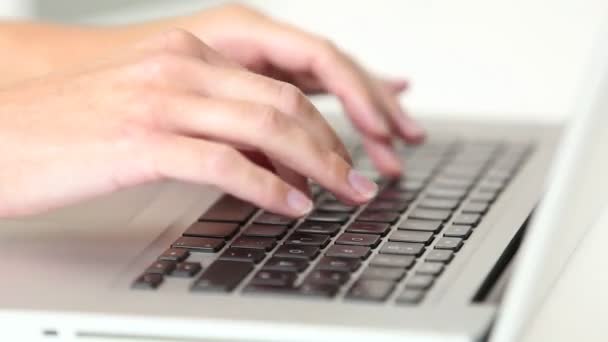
{"points": [[172, 108], [314, 65]]}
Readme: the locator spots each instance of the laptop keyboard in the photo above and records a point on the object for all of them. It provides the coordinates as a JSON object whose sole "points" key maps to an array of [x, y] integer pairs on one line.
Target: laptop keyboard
{"points": [[395, 248]]}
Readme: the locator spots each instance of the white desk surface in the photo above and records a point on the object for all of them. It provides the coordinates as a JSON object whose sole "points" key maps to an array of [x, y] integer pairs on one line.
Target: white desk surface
{"points": [[505, 59]]}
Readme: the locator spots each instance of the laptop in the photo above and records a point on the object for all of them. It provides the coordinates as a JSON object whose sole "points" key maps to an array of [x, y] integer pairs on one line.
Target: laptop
{"points": [[449, 252]]}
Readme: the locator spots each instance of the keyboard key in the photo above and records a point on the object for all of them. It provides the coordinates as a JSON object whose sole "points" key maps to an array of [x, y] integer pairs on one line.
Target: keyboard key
{"points": [[336, 278], [265, 230], [274, 278], [243, 254], [357, 252], [212, 229], [430, 268], [439, 203], [483, 196], [297, 251], [268, 289], [321, 216], [369, 228], [335, 206], [317, 290], [358, 240], [420, 282], [308, 239], [161, 267], [467, 219], [449, 193], [402, 248], [270, 218], [319, 228], [423, 225], [197, 244], [285, 264], [222, 275], [186, 269], [174, 254], [383, 205], [148, 281], [396, 195], [388, 260], [462, 232], [447, 182], [475, 207], [383, 273], [339, 264], [411, 236], [410, 185], [254, 242], [430, 214], [410, 296], [439, 255], [378, 216], [229, 209], [450, 243], [490, 186], [373, 290]]}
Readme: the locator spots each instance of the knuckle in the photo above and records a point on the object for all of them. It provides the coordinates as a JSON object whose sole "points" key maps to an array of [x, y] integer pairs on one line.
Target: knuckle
{"points": [[158, 67], [271, 121], [180, 40], [291, 97]]}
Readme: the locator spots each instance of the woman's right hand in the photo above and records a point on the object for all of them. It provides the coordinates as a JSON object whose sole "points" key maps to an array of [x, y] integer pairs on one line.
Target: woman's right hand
{"points": [[170, 109]]}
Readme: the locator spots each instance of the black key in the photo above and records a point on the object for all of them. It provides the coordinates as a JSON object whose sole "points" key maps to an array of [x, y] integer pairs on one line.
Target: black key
{"points": [[270, 218], [174, 254], [420, 282], [308, 239], [336, 278], [317, 290], [388, 260], [410, 296], [339, 264], [383, 273], [285, 264], [229, 209], [462, 232], [439, 203], [402, 248], [298, 252], [396, 195], [467, 219], [423, 225], [439, 255], [358, 240], [430, 268], [356, 252], [197, 244], [265, 230], [483, 197], [475, 208], [243, 254], [378, 216], [383, 205], [274, 278], [373, 290], [222, 275], [319, 228], [430, 214], [450, 243], [369, 228], [186, 269], [254, 242], [335, 206], [212, 229], [148, 281], [449, 193], [322, 216], [411, 236]]}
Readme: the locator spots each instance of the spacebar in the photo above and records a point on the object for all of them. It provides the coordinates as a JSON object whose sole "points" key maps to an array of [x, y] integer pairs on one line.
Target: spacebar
{"points": [[222, 275]]}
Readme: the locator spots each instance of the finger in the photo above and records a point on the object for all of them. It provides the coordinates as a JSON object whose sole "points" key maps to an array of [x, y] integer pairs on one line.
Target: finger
{"points": [[268, 130], [395, 86], [210, 163], [383, 156]]}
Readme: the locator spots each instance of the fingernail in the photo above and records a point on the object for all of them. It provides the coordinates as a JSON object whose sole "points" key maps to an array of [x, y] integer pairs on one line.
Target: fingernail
{"points": [[362, 184], [299, 202]]}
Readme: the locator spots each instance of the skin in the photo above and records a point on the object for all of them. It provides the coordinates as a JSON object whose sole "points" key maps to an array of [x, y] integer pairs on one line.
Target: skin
{"points": [[159, 107]]}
